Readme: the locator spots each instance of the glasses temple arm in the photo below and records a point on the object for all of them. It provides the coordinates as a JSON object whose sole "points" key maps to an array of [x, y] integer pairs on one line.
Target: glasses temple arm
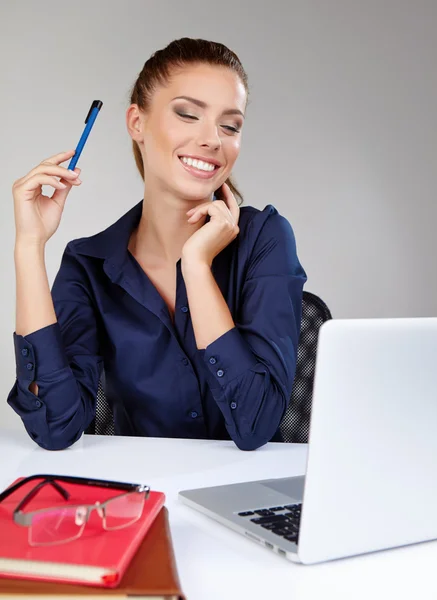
{"points": [[25, 501]]}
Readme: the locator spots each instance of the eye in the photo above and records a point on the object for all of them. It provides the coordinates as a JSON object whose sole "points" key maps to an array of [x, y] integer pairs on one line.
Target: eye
{"points": [[233, 129], [185, 116], [192, 117]]}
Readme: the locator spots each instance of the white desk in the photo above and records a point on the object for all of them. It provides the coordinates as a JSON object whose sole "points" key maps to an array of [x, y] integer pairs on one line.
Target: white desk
{"points": [[215, 563]]}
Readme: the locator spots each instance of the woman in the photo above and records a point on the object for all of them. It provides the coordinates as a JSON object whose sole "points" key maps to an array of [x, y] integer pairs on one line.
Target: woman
{"points": [[189, 305]]}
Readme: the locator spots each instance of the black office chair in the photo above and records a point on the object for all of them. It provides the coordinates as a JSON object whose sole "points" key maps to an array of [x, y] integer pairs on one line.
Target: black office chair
{"points": [[295, 423], [103, 422]]}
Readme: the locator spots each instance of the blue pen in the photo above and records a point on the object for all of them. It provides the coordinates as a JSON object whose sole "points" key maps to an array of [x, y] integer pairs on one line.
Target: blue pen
{"points": [[89, 122]]}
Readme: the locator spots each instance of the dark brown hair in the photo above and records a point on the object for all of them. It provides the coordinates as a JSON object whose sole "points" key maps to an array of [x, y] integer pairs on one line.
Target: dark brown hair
{"points": [[159, 67]]}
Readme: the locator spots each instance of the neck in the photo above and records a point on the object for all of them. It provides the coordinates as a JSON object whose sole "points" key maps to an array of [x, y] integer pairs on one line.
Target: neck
{"points": [[163, 228]]}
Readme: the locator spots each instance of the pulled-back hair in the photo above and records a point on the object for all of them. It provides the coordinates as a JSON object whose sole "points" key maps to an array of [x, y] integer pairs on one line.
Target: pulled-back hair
{"points": [[178, 54]]}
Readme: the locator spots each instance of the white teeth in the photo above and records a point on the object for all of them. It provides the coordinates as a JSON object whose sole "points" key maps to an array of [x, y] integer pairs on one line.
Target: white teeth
{"points": [[198, 164]]}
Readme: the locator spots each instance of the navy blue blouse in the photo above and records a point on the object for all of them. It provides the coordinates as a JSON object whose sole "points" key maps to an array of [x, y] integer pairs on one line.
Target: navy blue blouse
{"points": [[158, 383]]}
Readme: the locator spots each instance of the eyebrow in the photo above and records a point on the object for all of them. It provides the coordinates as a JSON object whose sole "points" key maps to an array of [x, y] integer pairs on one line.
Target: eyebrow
{"points": [[229, 111]]}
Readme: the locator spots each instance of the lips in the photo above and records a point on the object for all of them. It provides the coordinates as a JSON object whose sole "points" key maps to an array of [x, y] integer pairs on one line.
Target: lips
{"points": [[211, 161], [199, 174]]}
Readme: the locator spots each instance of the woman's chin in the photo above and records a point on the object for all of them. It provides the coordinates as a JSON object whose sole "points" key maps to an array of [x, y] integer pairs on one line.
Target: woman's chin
{"points": [[195, 193]]}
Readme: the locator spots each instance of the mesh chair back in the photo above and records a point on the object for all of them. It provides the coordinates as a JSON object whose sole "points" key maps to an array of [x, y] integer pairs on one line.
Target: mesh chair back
{"points": [[296, 421], [103, 422]]}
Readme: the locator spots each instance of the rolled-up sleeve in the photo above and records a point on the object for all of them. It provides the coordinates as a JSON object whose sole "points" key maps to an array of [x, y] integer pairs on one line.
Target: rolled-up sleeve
{"points": [[63, 359], [251, 367]]}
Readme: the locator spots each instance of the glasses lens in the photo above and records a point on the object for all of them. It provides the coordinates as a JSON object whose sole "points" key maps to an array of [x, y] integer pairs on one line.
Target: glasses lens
{"points": [[124, 510], [57, 525]]}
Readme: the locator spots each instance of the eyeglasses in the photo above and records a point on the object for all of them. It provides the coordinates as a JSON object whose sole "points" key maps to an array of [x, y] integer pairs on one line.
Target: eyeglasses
{"points": [[60, 524]]}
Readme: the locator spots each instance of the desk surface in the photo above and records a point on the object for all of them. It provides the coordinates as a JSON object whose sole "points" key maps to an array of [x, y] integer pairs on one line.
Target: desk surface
{"points": [[215, 563]]}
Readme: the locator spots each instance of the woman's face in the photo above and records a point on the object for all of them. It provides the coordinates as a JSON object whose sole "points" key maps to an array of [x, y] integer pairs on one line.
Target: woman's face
{"points": [[197, 116]]}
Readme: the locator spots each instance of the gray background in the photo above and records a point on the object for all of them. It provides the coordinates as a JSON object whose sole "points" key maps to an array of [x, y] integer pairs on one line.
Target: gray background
{"points": [[340, 133]]}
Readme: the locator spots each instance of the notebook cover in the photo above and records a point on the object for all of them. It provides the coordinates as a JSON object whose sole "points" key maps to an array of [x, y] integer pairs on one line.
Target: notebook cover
{"points": [[111, 550], [152, 572]]}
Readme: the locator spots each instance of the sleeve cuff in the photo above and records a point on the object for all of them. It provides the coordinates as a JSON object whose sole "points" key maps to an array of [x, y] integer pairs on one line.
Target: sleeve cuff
{"points": [[39, 353], [228, 357]]}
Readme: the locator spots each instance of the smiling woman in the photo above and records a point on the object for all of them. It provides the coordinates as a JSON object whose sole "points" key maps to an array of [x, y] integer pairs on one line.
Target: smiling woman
{"points": [[205, 85], [189, 305]]}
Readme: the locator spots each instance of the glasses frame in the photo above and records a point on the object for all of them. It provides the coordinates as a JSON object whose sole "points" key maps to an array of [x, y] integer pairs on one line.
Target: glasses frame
{"points": [[25, 519]]}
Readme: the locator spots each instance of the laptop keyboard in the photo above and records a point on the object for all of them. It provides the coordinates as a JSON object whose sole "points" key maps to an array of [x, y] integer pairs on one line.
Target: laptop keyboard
{"points": [[281, 520]]}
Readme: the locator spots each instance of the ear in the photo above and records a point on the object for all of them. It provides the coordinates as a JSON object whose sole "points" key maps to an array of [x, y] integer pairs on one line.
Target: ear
{"points": [[134, 119]]}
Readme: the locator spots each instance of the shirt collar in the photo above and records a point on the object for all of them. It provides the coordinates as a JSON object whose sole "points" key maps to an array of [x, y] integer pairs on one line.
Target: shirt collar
{"points": [[114, 240]]}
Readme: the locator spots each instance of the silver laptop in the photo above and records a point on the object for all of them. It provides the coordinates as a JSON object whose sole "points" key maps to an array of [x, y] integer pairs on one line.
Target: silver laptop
{"points": [[371, 476]]}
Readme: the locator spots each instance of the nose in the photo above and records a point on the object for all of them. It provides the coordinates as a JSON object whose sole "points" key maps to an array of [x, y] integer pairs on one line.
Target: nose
{"points": [[208, 136]]}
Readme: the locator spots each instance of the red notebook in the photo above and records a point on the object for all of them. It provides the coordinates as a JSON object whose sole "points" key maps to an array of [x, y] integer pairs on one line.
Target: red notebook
{"points": [[98, 557]]}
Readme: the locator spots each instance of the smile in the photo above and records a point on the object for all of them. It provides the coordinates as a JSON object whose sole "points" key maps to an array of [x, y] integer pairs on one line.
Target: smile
{"points": [[198, 168]]}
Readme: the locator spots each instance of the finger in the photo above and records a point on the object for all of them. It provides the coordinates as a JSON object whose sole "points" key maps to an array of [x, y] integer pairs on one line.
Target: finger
{"points": [[59, 158], [72, 177], [198, 206], [204, 207], [51, 169], [60, 195], [38, 180], [52, 160], [211, 208], [195, 208], [221, 205], [231, 202], [217, 208]]}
